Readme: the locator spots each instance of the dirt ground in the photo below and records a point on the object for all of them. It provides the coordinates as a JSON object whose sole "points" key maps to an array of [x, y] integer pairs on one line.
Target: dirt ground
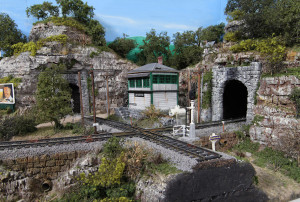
{"points": [[277, 186]]}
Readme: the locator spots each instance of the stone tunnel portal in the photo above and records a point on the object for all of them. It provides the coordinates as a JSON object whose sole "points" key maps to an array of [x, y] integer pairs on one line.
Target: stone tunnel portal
{"points": [[76, 98], [234, 100]]}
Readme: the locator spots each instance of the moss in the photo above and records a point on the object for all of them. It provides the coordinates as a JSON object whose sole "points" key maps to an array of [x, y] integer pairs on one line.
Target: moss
{"points": [[11, 79], [64, 21], [33, 47]]}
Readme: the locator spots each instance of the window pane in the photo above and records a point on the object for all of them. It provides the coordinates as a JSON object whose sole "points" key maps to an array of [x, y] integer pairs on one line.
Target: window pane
{"points": [[174, 79], [168, 79], [146, 83], [162, 79], [155, 79], [139, 83], [131, 83]]}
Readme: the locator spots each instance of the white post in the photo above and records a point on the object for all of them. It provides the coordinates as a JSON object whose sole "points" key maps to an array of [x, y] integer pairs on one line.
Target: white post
{"points": [[214, 138], [192, 133]]}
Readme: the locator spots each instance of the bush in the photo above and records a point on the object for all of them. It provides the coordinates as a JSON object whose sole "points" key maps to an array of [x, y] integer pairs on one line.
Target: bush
{"points": [[232, 36], [113, 148], [16, 125], [34, 47], [152, 113], [295, 97]]}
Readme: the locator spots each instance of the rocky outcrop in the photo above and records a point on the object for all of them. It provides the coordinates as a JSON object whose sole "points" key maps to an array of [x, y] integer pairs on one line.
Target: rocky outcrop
{"points": [[44, 30], [234, 26], [77, 58], [275, 112]]}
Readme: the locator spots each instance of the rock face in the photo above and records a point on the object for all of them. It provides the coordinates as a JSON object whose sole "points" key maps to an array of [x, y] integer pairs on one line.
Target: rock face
{"points": [[248, 75], [77, 58], [276, 111], [44, 30]]}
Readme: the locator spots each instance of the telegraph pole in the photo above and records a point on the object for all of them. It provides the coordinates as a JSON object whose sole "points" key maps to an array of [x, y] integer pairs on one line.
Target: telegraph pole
{"points": [[200, 71]]}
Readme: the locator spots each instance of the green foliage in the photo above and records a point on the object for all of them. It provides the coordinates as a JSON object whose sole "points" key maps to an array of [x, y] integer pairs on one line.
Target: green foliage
{"points": [[235, 15], [9, 34], [112, 148], [122, 46], [125, 190], [16, 125], [268, 157], [76, 128], [187, 48], [121, 199], [154, 45], [263, 18], [42, 11], [109, 173], [34, 47], [163, 168], [81, 11], [152, 113], [207, 95], [68, 21], [295, 97], [232, 36], [53, 95], [247, 145], [11, 79], [97, 32], [272, 49], [213, 33]]}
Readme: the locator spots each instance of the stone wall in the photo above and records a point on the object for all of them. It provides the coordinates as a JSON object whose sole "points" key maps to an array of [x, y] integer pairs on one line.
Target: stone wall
{"points": [[24, 177], [248, 75], [276, 113]]}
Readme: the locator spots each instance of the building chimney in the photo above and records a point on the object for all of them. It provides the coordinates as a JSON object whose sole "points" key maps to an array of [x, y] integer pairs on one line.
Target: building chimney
{"points": [[160, 60]]}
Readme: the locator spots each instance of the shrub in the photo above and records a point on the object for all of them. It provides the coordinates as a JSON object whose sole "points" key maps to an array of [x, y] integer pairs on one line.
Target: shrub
{"points": [[113, 148], [235, 15], [16, 125], [295, 96], [34, 47], [11, 79], [152, 113], [232, 36]]}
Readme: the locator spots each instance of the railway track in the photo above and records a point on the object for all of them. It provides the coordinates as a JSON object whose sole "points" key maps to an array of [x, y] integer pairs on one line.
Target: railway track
{"points": [[201, 154], [154, 135]]}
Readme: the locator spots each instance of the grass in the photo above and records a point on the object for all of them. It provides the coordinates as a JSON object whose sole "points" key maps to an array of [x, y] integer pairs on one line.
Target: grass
{"points": [[286, 72], [44, 132], [164, 168], [269, 158]]}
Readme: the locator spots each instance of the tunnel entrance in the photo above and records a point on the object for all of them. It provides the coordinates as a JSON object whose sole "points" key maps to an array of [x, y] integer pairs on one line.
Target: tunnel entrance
{"points": [[234, 100], [76, 98]]}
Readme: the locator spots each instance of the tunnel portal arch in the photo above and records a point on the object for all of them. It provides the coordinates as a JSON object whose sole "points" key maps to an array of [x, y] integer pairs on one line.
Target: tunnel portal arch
{"points": [[234, 100], [75, 98], [225, 78]]}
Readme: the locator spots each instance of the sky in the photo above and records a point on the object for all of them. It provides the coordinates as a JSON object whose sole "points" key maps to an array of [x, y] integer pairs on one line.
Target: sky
{"points": [[135, 17]]}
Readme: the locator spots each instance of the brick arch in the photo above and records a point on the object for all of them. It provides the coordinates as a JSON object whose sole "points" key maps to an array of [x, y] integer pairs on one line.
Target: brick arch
{"points": [[247, 75]]}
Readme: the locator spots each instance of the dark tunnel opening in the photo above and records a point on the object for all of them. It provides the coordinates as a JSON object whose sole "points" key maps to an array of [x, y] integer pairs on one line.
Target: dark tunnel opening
{"points": [[234, 100], [76, 98]]}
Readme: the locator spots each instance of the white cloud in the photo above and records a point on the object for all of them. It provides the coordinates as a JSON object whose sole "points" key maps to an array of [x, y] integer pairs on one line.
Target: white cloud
{"points": [[126, 21]]}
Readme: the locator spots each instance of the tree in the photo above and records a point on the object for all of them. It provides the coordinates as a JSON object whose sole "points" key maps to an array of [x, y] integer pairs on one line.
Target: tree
{"points": [[42, 11], [53, 95], [265, 17], [9, 34], [187, 48], [122, 46], [213, 33], [82, 12], [97, 32], [155, 45]]}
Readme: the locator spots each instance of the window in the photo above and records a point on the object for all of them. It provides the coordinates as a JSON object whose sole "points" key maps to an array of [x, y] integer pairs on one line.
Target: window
{"points": [[132, 83], [161, 79], [138, 83], [146, 83], [155, 79], [174, 79], [168, 79]]}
